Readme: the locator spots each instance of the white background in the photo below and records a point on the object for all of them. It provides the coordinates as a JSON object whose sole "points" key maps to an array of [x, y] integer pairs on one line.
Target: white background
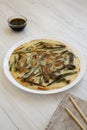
{"points": [[65, 20]]}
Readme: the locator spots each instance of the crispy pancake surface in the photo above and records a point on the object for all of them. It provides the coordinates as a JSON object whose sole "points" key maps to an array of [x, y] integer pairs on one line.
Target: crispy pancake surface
{"points": [[44, 64]]}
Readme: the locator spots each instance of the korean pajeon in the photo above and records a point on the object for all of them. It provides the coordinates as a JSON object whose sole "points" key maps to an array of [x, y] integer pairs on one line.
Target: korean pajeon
{"points": [[44, 64]]}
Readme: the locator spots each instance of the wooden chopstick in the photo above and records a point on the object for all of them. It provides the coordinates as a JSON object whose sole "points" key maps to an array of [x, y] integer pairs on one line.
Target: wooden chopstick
{"points": [[78, 109], [75, 119]]}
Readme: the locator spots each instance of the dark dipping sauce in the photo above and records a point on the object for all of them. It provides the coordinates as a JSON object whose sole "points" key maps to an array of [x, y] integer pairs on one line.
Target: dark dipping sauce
{"points": [[17, 24]]}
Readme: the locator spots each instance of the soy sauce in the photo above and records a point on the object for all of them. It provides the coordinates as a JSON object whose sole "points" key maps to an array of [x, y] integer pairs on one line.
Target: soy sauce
{"points": [[17, 24]]}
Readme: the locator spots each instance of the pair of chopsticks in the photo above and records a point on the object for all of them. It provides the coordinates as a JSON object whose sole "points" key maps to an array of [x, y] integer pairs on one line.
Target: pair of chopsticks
{"points": [[80, 112]]}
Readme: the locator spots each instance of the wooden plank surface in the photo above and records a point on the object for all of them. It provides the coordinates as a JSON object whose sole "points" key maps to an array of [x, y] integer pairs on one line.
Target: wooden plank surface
{"points": [[64, 20], [61, 120]]}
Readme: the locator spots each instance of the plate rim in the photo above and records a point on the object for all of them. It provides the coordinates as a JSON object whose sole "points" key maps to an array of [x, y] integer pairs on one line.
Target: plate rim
{"points": [[53, 91]]}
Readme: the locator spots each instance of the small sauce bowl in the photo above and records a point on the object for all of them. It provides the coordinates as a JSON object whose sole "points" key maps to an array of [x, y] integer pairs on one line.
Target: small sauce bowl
{"points": [[17, 23]]}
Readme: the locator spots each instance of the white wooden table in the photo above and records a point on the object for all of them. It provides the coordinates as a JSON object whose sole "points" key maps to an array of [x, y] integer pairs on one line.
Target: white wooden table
{"points": [[61, 19]]}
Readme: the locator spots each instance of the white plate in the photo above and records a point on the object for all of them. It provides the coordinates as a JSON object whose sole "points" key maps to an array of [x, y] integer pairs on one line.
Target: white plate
{"points": [[12, 80]]}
